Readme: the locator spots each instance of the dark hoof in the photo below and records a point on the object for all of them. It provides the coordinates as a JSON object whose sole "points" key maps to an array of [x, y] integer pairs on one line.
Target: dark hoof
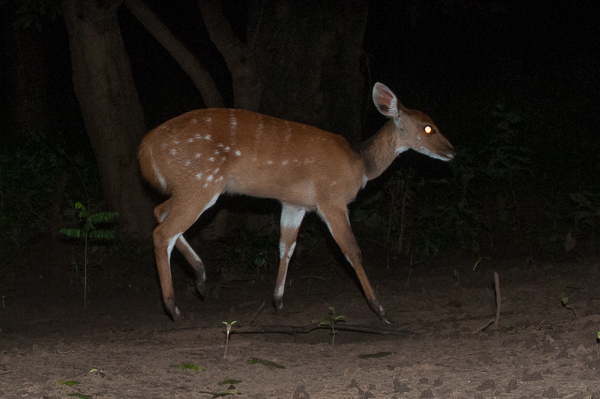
{"points": [[173, 311], [278, 305], [201, 288]]}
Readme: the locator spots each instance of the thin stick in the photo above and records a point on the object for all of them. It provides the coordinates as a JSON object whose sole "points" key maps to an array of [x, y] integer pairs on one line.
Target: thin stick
{"points": [[498, 300], [257, 313]]}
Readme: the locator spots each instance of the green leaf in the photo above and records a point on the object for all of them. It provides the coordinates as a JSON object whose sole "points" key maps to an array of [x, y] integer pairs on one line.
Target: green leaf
{"points": [[256, 360], [101, 217], [228, 382], [69, 383], [102, 234], [73, 233]]}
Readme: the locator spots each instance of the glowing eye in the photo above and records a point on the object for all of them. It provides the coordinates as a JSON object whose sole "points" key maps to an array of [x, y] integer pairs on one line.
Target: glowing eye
{"points": [[428, 129]]}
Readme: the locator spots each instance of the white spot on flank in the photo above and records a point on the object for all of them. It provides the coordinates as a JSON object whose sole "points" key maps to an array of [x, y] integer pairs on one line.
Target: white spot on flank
{"points": [[187, 163], [199, 176], [173, 152], [269, 162], [194, 120], [237, 152], [175, 142], [197, 136], [223, 159], [215, 171], [207, 136], [226, 149], [333, 183], [284, 162], [211, 159], [209, 178], [207, 119], [190, 140], [197, 155], [216, 152]]}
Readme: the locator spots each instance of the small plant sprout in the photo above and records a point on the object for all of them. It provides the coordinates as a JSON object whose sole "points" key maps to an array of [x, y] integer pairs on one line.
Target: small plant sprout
{"points": [[227, 339], [331, 323], [89, 232], [565, 303]]}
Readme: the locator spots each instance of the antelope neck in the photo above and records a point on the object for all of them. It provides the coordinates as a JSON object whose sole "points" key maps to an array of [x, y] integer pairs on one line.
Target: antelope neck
{"points": [[379, 151]]}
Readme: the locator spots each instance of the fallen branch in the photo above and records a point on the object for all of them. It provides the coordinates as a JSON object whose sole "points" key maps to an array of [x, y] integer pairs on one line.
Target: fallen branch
{"points": [[277, 329], [270, 329]]}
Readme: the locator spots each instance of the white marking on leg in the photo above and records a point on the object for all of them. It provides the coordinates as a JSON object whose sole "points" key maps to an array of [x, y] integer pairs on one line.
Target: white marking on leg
{"points": [[281, 250], [159, 176], [170, 246], [194, 254], [291, 216]]}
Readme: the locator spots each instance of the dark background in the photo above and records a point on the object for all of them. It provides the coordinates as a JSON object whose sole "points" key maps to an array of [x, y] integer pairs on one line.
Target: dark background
{"points": [[513, 85]]}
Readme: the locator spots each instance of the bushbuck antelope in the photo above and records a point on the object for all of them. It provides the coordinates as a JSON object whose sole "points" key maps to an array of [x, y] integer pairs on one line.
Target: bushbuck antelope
{"points": [[199, 155]]}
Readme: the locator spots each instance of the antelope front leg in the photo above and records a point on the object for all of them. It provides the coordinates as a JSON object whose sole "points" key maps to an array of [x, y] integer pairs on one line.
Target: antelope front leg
{"points": [[291, 218], [339, 226]]}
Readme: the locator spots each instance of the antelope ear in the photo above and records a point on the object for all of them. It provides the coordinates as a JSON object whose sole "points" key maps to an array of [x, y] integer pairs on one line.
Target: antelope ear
{"points": [[385, 100]]}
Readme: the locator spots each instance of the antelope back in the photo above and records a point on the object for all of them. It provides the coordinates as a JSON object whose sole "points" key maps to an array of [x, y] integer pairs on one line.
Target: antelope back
{"points": [[251, 154]]}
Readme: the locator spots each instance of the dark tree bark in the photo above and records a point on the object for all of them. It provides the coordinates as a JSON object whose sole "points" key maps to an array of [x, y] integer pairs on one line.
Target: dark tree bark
{"points": [[309, 55], [110, 106], [246, 81], [188, 62]]}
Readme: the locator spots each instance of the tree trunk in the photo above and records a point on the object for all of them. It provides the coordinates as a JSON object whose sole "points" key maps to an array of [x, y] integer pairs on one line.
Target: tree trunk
{"points": [[246, 81], [190, 64], [111, 109], [309, 55]]}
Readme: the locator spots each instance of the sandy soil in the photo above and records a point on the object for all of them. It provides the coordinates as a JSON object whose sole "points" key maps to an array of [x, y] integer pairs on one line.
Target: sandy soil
{"points": [[122, 345]]}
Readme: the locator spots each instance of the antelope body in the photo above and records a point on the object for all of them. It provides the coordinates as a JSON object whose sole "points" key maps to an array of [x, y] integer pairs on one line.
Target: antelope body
{"points": [[199, 155]]}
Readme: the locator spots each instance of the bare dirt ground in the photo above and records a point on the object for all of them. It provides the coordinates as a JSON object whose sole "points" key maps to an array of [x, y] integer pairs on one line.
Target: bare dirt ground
{"points": [[122, 345]]}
